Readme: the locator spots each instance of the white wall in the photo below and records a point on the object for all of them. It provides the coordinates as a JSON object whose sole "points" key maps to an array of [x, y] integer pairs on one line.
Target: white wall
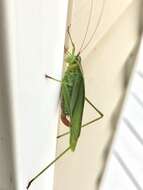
{"points": [[33, 34]]}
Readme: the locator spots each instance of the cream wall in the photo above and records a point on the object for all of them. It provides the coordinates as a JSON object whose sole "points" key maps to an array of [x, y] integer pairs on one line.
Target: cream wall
{"points": [[104, 68]]}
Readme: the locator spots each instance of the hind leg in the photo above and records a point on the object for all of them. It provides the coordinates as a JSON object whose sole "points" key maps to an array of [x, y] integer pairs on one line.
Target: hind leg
{"points": [[88, 123]]}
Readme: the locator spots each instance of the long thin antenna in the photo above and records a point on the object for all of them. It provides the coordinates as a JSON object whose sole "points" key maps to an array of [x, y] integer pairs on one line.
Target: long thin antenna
{"points": [[88, 24], [68, 31], [96, 28], [49, 165]]}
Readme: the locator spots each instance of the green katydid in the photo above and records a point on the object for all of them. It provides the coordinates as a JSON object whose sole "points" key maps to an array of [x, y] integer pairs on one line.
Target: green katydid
{"points": [[73, 94]]}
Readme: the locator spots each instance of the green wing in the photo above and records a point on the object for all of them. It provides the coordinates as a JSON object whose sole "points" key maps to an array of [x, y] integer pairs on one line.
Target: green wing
{"points": [[66, 98], [76, 108]]}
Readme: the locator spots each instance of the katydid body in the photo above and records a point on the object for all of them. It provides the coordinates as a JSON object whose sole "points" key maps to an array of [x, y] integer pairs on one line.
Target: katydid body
{"points": [[73, 97]]}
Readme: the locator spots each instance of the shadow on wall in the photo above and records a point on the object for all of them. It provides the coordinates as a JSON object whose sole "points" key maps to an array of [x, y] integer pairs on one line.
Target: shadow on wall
{"points": [[6, 158], [114, 119]]}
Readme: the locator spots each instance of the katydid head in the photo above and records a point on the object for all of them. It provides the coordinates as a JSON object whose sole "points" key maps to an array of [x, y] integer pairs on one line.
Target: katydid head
{"points": [[73, 58]]}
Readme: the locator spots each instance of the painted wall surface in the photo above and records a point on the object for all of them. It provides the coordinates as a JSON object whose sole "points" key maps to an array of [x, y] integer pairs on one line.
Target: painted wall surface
{"points": [[104, 66], [112, 12], [32, 42]]}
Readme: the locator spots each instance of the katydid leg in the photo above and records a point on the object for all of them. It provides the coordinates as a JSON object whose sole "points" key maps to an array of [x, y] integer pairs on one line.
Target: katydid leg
{"points": [[63, 134], [48, 166], [70, 37], [98, 111], [66, 51], [88, 123], [49, 77]]}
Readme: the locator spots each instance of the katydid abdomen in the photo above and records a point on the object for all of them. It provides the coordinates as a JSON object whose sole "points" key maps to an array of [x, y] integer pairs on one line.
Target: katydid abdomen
{"points": [[73, 97]]}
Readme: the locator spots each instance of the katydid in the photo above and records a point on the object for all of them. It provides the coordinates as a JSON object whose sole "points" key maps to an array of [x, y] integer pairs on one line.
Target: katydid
{"points": [[73, 94]]}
